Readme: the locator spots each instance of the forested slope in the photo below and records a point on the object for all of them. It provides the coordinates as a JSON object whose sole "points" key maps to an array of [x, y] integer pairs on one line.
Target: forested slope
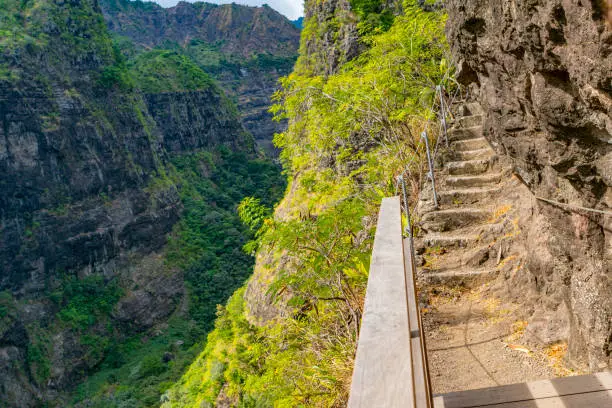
{"points": [[356, 102], [119, 235]]}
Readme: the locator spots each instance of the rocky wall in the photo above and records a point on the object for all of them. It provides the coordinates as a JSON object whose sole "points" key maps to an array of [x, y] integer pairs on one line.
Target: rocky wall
{"points": [[542, 70]]}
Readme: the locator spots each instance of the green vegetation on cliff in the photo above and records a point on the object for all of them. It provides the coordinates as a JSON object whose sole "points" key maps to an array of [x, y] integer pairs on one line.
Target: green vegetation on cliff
{"points": [[206, 246], [167, 71], [105, 212], [210, 236], [349, 134], [212, 60], [83, 301], [373, 15], [26, 27]]}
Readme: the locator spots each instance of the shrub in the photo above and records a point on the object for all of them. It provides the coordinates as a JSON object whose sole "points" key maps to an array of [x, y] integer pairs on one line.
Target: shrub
{"points": [[85, 301]]}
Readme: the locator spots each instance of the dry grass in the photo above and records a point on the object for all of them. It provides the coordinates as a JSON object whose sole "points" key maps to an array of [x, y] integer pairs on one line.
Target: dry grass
{"points": [[491, 306], [555, 355], [507, 259], [515, 229], [442, 294], [518, 330], [431, 256], [499, 213]]}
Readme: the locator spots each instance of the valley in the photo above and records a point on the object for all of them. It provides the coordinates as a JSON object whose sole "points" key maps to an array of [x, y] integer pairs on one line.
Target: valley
{"points": [[122, 167], [190, 195]]}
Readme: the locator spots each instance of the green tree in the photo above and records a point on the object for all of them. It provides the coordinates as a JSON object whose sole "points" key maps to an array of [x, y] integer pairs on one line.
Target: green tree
{"points": [[349, 134]]}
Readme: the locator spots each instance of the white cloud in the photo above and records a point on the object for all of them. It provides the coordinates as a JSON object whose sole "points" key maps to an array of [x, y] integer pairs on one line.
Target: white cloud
{"points": [[291, 8]]}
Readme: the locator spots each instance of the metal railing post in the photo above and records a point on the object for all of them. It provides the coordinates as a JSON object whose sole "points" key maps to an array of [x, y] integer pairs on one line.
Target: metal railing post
{"points": [[431, 168], [408, 229], [443, 113]]}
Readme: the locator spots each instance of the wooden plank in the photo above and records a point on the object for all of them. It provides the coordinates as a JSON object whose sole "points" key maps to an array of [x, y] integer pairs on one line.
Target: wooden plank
{"points": [[418, 364], [382, 376], [553, 390], [601, 399]]}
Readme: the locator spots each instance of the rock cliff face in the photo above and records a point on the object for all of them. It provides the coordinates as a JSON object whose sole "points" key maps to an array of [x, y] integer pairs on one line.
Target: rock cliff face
{"points": [[246, 49], [66, 143], [336, 40], [197, 119], [251, 88], [542, 70], [239, 30], [80, 149]]}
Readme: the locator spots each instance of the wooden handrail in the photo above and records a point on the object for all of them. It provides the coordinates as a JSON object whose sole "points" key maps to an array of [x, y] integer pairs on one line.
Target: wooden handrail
{"points": [[424, 396], [390, 365]]}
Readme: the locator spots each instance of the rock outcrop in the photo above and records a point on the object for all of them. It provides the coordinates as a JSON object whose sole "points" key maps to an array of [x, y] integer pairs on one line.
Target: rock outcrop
{"points": [[336, 40], [251, 89], [542, 72], [197, 119]]}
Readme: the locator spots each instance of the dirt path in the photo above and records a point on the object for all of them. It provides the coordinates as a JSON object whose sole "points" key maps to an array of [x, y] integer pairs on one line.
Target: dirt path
{"points": [[475, 341]]}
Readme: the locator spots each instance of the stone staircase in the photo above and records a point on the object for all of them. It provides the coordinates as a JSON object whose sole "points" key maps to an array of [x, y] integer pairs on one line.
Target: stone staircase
{"points": [[459, 240]]}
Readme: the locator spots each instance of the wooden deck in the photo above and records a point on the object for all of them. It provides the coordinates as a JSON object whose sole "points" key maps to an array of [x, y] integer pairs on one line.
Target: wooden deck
{"points": [[587, 391]]}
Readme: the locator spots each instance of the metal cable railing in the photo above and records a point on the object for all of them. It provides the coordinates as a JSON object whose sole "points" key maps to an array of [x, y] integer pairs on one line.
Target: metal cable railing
{"points": [[574, 206], [422, 387], [440, 108], [392, 342], [431, 173]]}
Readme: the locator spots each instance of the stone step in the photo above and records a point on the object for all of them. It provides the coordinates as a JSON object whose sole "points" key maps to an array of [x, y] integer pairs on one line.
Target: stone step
{"points": [[466, 195], [470, 144], [465, 133], [473, 181], [478, 254], [463, 237], [469, 109], [470, 167], [469, 277], [469, 121], [450, 240], [446, 220], [474, 154]]}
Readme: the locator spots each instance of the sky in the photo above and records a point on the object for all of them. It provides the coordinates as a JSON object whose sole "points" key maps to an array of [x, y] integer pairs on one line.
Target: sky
{"points": [[291, 8]]}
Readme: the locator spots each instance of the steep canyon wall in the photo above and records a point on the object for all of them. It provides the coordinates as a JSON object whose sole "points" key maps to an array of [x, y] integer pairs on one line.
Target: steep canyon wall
{"points": [[85, 201], [246, 49]]}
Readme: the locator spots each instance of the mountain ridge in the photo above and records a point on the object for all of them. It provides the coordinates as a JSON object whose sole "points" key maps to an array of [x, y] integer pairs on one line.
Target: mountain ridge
{"points": [[239, 30], [246, 49]]}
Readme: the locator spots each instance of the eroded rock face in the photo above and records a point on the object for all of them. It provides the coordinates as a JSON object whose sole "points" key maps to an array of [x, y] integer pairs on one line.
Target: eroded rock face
{"points": [[237, 29], [542, 70], [337, 40], [252, 91], [196, 120]]}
